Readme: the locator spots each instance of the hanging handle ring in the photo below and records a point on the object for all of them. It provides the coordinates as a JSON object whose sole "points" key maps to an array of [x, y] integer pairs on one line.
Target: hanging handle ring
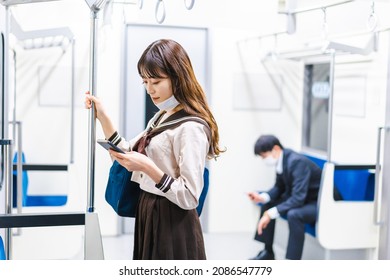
{"points": [[140, 4], [372, 22], [189, 4], [160, 5], [325, 29]]}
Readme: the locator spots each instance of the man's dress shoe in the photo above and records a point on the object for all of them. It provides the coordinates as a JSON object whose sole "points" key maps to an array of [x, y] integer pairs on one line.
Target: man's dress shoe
{"points": [[264, 255]]}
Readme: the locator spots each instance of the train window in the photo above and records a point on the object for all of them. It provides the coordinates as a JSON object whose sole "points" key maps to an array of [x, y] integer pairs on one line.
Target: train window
{"points": [[316, 96]]}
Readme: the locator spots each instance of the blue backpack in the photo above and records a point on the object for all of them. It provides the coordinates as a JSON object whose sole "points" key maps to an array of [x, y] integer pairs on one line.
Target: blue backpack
{"points": [[205, 189]]}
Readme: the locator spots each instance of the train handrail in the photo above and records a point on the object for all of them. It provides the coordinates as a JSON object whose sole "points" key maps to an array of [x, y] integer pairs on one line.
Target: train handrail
{"points": [[41, 220], [378, 185], [42, 167], [93, 245]]}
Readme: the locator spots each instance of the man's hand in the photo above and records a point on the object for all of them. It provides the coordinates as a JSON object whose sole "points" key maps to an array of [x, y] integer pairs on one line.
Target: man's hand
{"points": [[255, 197], [263, 223]]}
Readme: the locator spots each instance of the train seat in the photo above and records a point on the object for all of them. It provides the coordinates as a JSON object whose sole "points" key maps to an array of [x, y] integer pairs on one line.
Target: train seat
{"points": [[348, 185], [347, 223], [354, 183], [24, 184], [2, 251], [33, 200]]}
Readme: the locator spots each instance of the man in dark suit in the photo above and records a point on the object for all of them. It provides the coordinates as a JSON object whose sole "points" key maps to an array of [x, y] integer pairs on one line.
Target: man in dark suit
{"points": [[293, 196]]}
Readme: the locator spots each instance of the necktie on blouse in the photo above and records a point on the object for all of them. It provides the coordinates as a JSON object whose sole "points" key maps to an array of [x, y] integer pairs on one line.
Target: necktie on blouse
{"points": [[144, 141]]}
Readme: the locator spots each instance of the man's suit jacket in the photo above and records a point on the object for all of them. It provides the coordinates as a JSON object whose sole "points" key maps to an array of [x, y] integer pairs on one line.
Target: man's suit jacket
{"points": [[298, 184]]}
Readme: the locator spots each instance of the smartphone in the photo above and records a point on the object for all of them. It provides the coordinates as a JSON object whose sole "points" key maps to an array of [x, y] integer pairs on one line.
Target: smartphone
{"points": [[108, 145]]}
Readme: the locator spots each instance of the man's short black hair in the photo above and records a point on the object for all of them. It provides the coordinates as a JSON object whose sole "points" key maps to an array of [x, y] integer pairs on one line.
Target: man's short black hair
{"points": [[265, 143]]}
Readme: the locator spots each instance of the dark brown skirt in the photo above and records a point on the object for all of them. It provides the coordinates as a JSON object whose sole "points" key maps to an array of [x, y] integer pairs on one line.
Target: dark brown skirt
{"points": [[164, 231]]}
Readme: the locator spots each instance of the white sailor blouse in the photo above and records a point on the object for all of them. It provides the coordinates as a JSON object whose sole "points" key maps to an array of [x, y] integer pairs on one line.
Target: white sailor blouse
{"points": [[181, 153]]}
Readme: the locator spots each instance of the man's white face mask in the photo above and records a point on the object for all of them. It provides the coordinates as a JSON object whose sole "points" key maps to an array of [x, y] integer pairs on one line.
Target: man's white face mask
{"points": [[270, 161]]}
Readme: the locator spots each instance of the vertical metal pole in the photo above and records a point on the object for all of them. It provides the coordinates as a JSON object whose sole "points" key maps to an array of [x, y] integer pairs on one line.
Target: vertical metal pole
{"points": [[307, 81], [6, 73], [92, 117], [19, 169], [6, 147], [14, 109], [330, 103], [72, 104], [378, 185]]}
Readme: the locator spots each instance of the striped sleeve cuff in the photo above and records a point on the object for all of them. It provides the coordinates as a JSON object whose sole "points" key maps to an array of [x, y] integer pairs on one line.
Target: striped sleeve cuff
{"points": [[165, 183], [115, 138]]}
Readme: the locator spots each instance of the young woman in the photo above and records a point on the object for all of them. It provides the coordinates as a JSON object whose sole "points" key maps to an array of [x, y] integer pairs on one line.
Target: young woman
{"points": [[169, 167]]}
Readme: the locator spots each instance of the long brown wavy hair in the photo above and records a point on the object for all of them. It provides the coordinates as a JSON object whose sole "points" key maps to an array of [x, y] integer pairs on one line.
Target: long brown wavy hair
{"points": [[166, 57]]}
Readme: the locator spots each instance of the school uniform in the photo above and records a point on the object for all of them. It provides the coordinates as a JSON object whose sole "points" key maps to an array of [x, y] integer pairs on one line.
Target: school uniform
{"points": [[167, 225]]}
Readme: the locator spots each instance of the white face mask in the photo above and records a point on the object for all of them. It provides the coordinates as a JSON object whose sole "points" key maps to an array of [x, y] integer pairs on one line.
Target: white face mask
{"points": [[270, 161], [168, 104]]}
